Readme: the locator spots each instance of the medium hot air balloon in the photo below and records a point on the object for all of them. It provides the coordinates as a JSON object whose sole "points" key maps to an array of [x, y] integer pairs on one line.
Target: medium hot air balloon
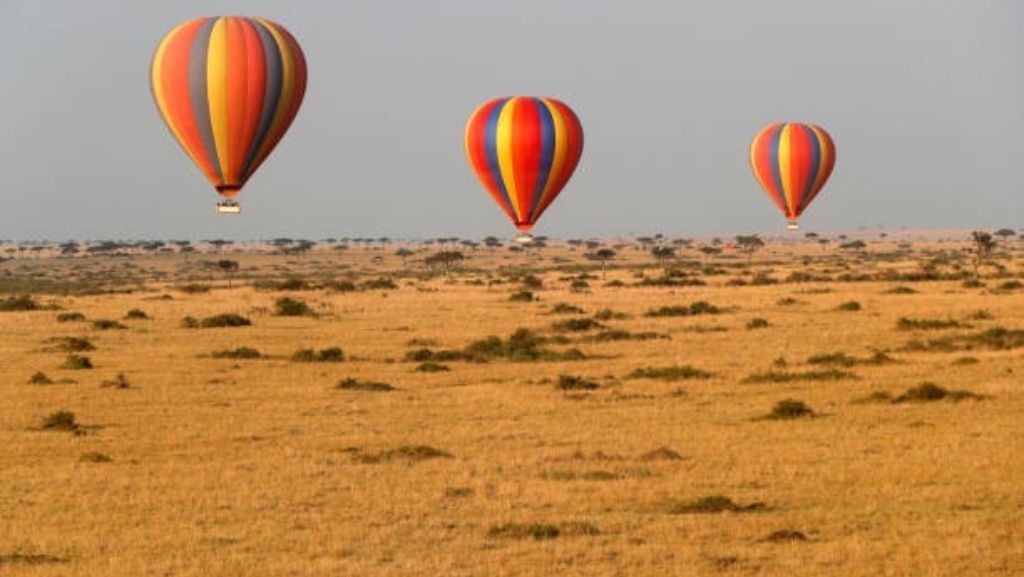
{"points": [[228, 89], [524, 150], [792, 162]]}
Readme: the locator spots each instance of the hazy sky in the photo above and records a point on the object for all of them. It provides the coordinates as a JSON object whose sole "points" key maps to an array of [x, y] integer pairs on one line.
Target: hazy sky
{"points": [[925, 99]]}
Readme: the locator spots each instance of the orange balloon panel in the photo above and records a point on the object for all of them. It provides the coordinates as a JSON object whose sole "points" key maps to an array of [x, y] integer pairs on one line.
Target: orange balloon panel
{"points": [[228, 89]]}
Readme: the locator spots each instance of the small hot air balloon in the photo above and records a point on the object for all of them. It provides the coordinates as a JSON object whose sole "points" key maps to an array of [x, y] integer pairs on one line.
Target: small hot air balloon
{"points": [[792, 162], [524, 150], [228, 89]]}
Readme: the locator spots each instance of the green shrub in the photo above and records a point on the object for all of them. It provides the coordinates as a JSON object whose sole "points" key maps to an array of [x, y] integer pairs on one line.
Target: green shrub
{"points": [[19, 303], [380, 284], [107, 324], [710, 505], [839, 359], [669, 374], [77, 362], [225, 320], [329, 355], [909, 324], [289, 307], [430, 367], [786, 377], [929, 392], [535, 531], [351, 384], [190, 323], [900, 290], [61, 421], [40, 378], [136, 314], [573, 383], [238, 353], [70, 317], [849, 306], [576, 325], [757, 323], [341, 286], [696, 308], [70, 344], [566, 309], [789, 409], [119, 382], [521, 297], [194, 289]]}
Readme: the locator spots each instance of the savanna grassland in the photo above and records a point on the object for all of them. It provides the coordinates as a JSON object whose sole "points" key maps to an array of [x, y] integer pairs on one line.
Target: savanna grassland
{"points": [[378, 409]]}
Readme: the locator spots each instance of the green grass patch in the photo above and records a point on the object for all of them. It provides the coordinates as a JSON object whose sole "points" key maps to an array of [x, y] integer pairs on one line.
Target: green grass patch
{"points": [[669, 374]]}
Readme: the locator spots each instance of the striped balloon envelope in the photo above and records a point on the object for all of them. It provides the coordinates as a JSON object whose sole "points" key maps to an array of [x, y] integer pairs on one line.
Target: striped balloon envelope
{"points": [[524, 150], [228, 89], [792, 162]]}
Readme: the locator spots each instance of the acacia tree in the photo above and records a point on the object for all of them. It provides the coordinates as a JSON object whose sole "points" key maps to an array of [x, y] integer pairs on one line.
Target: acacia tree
{"points": [[230, 267], [983, 246], [748, 245], [446, 258], [604, 255]]}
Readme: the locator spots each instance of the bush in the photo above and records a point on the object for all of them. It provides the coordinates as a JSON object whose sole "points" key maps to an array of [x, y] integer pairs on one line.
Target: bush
{"points": [[107, 324], [430, 367], [929, 392], [61, 421], [576, 325], [835, 359], [380, 284], [119, 382], [77, 363], [900, 290], [238, 353], [757, 323], [289, 307], [409, 453], [70, 317], [136, 314], [225, 320], [288, 284], [70, 344], [19, 303], [190, 323], [341, 286], [573, 383], [351, 384], [849, 306], [789, 409], [40, 378], [710, 505], [521, 297], [329, 355], [194, 289], [94, 457], [785, 377], [696, 308], [566, 309], [669, 374], [909, 324], [535, 531]]}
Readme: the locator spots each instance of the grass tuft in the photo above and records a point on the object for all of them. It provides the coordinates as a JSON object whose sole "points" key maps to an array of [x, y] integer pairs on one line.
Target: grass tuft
{"points": [[669, 374], [351, 384], [710, 505]]}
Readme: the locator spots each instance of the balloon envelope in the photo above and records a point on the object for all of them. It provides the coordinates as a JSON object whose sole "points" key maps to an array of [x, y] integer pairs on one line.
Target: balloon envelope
{"points": [[792, 162], [228, 89], [524, 150]]}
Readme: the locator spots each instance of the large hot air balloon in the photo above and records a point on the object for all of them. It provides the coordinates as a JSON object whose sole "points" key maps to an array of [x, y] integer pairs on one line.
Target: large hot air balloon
{"points": [[524, 150], [792, 162], [228, 89]]}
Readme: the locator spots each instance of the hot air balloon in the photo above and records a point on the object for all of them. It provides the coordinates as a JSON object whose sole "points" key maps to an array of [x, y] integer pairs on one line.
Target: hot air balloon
{"points": [[524, 150], [792, 162], [228, 89]]}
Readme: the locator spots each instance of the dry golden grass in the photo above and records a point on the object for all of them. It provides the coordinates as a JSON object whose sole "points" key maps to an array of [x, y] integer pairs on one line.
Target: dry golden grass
{"points": [[263, 467]]}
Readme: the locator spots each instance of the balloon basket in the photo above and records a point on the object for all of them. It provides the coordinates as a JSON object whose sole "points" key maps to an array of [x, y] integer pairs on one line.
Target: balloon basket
{"points": [[229, 208], [793, 225], [524, 239]]}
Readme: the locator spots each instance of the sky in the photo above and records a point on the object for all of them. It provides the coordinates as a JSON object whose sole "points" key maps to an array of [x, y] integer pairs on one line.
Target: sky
{"points": [[924, 98]]}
